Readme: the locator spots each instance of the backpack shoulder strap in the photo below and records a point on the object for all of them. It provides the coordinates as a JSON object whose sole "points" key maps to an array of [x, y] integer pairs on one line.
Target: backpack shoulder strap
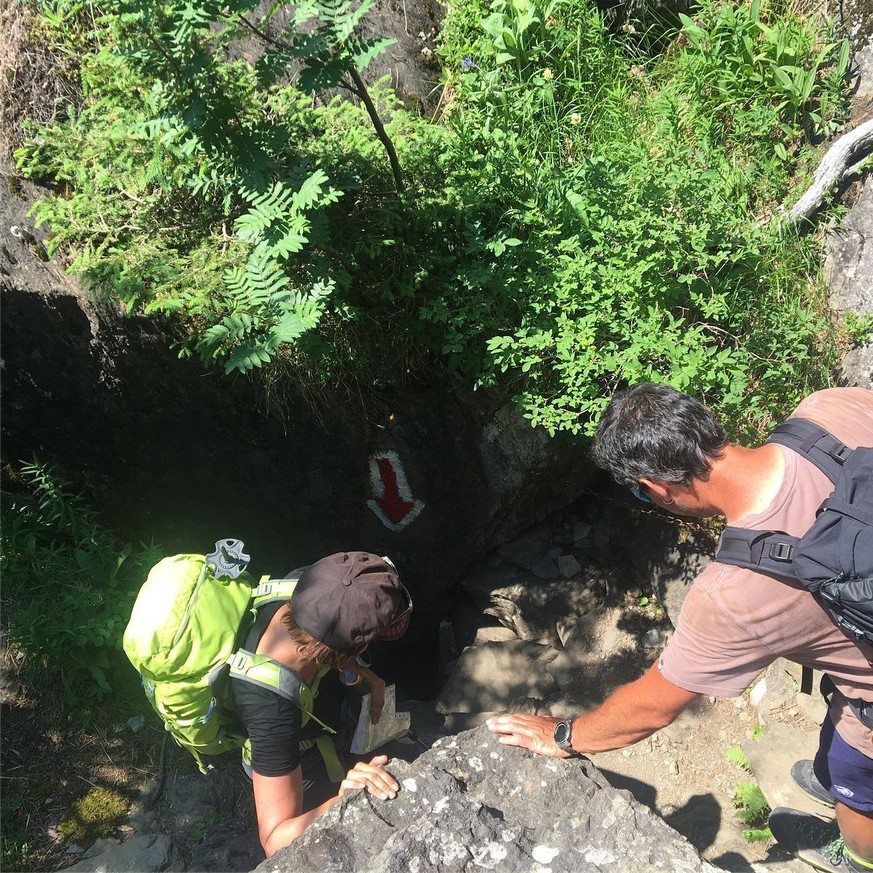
{"points": [[814, 443], [272, 590], [266, 673], [766, 551], [773, 552]]}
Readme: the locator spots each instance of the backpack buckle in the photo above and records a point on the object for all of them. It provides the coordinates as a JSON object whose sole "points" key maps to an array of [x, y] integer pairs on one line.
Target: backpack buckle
{"points": [[238, 661], [840, 453], [781, 552]]}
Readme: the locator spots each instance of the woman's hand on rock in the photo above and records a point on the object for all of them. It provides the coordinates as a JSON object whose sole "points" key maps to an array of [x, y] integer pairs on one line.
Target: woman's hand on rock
{"points": [[372, 778]]}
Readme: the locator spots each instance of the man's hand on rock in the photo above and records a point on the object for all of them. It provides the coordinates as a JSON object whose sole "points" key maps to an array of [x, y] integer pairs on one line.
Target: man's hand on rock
{"points": [[534, 732]]}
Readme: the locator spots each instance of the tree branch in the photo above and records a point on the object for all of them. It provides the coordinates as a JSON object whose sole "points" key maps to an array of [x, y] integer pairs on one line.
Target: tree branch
{"points": [[273, 42], [839, 159], [379, 128], [360, 91], [350, 88]]}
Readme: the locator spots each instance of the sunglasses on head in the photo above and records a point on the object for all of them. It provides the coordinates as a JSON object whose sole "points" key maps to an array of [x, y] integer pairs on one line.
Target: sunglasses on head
{"points": [[635, 490], [406, 611], [397, 627]]}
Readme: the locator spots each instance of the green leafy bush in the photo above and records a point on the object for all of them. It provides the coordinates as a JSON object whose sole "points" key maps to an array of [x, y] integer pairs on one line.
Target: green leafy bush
{"points": [[619, 228], [192, 180], [584, 216], [68, 588], [858, 327], [740, 59]]}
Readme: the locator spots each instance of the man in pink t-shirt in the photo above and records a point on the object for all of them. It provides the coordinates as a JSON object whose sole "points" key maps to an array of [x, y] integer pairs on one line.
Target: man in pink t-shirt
{"points": [[671, 451]]}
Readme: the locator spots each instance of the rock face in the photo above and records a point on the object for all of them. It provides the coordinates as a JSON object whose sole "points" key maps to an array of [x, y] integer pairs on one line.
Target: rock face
{"points": [[187, 455], [472, 804], [849, 268], [151, 853], [849, 248]]}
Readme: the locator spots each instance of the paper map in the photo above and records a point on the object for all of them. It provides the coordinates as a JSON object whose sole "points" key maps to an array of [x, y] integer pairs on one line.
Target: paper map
{"points": [[392, 724]]}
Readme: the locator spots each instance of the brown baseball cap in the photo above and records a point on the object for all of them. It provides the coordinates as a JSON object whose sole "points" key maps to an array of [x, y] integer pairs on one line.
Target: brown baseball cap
{"points": [[349, 599]]}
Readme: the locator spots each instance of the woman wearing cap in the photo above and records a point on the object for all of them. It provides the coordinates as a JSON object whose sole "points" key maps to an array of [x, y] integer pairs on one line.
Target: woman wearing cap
{"points": [[339, 606]]}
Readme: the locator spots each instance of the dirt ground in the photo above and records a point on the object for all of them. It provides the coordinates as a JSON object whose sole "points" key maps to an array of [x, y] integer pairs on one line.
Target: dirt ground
{"points": [[684, 772], [685, 775]]}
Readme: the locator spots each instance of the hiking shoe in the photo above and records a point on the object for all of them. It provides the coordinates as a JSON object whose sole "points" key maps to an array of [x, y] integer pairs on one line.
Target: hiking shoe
{"points": [[805, 779], [813, 840]]}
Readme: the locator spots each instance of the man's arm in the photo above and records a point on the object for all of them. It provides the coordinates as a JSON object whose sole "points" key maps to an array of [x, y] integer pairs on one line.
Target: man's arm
{"points": [[630, 714]]}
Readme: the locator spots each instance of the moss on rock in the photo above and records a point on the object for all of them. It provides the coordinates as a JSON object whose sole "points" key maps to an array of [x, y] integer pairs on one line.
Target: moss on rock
{"points": [[95, 815]]}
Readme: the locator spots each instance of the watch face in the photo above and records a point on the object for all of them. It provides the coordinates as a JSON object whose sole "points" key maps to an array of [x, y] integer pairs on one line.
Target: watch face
{"points": [[562, 733]]}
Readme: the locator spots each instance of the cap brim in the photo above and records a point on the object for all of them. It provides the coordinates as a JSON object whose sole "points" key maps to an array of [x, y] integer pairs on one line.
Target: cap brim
{"points": [[394, 631]]}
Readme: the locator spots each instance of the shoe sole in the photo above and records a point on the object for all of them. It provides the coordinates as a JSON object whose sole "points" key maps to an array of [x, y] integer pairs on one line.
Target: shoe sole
{"points": [[802, 774], [817, 862]]}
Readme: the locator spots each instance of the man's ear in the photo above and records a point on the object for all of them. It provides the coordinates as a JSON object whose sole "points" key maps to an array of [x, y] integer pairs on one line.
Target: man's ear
{"points": [[658, 490]]}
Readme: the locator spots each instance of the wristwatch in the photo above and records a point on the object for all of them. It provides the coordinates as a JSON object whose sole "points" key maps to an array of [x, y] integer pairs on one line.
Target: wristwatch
{"points": [[563, 736]]}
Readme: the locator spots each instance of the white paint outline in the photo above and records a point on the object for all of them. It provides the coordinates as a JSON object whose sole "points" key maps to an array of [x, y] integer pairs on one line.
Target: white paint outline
{"points": [[403, 490]]}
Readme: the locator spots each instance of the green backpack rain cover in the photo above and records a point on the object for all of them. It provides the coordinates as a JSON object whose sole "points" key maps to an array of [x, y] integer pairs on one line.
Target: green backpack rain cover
{"points": [[181, 638]]}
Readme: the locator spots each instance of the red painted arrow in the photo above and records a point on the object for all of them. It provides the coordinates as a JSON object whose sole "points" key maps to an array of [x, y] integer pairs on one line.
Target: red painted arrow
{"points": [[390, 501]]}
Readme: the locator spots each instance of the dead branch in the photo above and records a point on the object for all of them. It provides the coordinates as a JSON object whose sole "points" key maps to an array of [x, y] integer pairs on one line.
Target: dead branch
{"points": [[840, 158]]}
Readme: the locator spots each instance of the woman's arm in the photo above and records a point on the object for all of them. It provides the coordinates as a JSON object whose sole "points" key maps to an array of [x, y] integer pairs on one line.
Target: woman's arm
{"points": [[279, 800], [376, 686]]}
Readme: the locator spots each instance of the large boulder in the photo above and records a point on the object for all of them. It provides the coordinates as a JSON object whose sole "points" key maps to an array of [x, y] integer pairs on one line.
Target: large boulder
{"points": [[849, 246], [470, 804]]}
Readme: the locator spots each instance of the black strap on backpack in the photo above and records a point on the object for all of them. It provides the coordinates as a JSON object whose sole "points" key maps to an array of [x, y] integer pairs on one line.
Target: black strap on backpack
{"points": [[814, 443], [773, 552]]}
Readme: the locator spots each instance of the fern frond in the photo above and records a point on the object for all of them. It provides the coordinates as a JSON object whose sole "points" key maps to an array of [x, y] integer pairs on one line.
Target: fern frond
{"points": [[272, 65], [321, 74], [231, 328], [263, 274], [738, 756], [310, 191], [290, 243], [750, 803], [266, 208], [342, 17], [362, 51], [291, 326], [235, 281], [250, 354]]}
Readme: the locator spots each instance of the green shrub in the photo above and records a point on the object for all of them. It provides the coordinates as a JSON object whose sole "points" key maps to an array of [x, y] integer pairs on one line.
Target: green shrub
{"points": [[585, 216], [195, 183], [858, 327], [68, 588], [618, 214], [752, 810]]}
